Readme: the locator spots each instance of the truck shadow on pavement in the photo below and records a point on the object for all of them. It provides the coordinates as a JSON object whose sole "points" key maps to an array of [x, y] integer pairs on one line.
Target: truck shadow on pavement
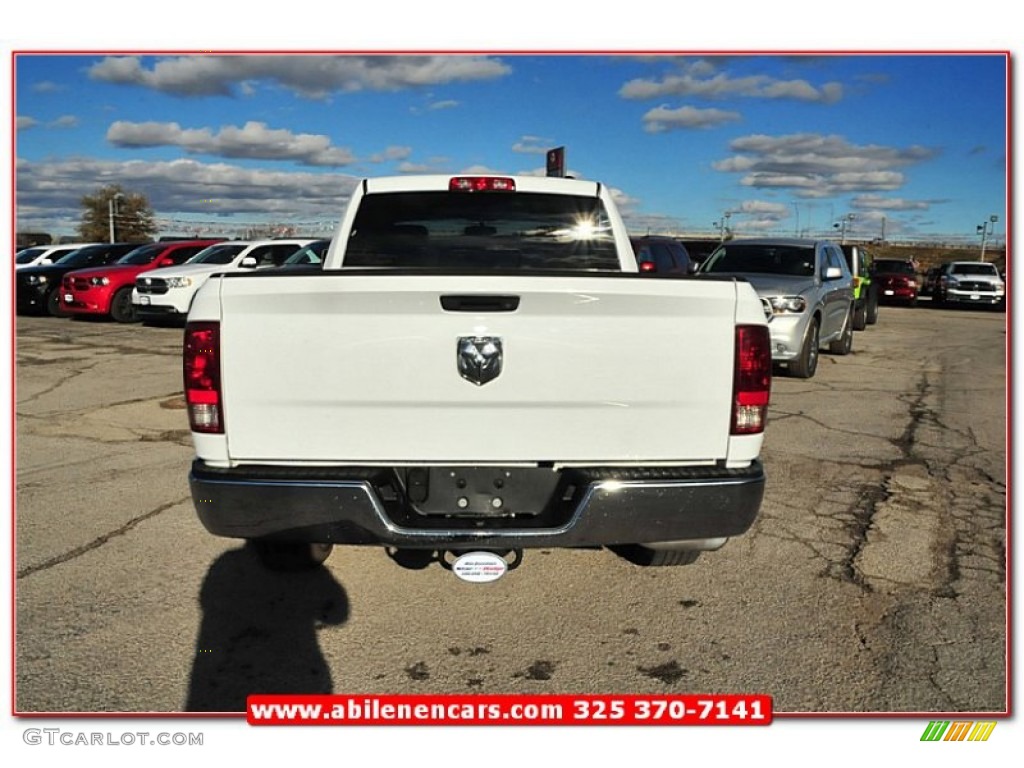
{"points": [[259, 632]]}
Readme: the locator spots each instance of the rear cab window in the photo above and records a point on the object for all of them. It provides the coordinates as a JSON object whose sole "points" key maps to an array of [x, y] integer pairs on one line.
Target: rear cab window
{"points": [[482, 231]]}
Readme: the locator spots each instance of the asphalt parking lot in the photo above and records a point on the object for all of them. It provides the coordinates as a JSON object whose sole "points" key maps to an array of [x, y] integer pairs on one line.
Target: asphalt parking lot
{"points": [[873, 581]]}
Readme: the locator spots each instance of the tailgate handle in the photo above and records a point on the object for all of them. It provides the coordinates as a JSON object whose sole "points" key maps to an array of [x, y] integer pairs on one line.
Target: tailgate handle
{"points": [[480, 303]]}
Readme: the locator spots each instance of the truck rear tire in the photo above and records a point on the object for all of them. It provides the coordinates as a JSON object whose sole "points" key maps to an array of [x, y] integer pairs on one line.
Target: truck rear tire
{"points": [[646, 557], [290, 555]]}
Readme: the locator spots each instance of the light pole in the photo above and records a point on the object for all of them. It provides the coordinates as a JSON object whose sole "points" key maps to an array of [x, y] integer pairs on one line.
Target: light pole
{"points": [[722, 225], [841, 226], [111, 210], [985, 229]]}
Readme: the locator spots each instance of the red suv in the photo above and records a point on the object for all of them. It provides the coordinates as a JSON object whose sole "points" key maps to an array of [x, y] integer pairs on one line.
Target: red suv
{"points": [[108, 290], [897, 281]]}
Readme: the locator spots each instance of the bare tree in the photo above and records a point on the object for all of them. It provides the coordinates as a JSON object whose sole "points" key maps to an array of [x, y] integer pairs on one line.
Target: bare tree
{"points": [[111, 214]]}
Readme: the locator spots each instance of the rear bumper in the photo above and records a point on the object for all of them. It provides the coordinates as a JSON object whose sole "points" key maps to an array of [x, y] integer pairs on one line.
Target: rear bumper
{"points": [[352, 506]]}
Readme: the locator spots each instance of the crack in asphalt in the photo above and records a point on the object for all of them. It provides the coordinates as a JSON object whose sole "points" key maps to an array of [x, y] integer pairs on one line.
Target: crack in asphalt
{"points": [[98, 541], [863, 516], [873, 496], [182, 437], [75, 373], [112, 349], [852, 521], [90, 410]]}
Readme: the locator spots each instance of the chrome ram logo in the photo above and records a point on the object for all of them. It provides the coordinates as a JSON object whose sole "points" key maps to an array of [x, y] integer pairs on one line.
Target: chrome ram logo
{"points": [[479, 358]]}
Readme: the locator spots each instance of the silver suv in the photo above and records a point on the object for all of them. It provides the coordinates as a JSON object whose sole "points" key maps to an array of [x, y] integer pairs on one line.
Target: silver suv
{"points": [[809, 288], [969, 282]]}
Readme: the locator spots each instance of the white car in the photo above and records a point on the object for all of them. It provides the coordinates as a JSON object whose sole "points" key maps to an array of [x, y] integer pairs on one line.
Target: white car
{"points": [[167, 293], [40, 255]]}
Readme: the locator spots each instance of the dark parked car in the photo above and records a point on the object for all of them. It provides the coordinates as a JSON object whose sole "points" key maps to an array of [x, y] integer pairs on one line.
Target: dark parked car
{"points": [[662, 255], [38, 288], [699, 250], [897, 281], [930, 281]]}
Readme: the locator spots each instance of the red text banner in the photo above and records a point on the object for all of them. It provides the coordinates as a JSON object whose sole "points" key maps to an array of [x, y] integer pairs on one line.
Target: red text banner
{"points": [[509, 709]]}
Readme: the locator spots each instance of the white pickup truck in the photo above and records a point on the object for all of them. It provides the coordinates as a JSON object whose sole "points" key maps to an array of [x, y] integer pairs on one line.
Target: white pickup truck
{"points": [[479, 368]]}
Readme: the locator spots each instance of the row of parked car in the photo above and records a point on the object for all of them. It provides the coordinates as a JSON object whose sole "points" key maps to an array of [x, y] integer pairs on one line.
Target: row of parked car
{"points": [[815, 293], [951, 283], [150, 281]]}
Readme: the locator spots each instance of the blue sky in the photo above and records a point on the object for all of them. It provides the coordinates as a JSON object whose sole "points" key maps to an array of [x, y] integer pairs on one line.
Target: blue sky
{"points": [[912, 144]]}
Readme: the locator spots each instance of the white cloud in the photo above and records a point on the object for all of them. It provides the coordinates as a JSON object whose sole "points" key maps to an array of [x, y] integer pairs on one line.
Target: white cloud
{"points": [[481, 169], [763, 208], [254, 140], [47, 86], [816, 165], [390, 154], [64, 121], [697, 84], [183, 186], [665, 119], [24, 122], [307, 75], [533, 145], [877, 203], [409, 167]]}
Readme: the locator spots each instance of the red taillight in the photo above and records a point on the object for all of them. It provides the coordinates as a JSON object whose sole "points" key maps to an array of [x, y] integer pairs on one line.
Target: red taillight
{"points": [[202, 377], [648, 266], [481, 184], [752, 380]]}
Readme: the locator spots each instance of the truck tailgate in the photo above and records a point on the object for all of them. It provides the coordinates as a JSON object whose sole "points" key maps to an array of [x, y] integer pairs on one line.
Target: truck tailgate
{"points": [[363, 368]]}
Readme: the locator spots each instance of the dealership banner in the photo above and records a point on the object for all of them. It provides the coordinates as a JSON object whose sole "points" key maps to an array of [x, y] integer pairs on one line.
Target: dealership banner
{"points": [[509, 709]]}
